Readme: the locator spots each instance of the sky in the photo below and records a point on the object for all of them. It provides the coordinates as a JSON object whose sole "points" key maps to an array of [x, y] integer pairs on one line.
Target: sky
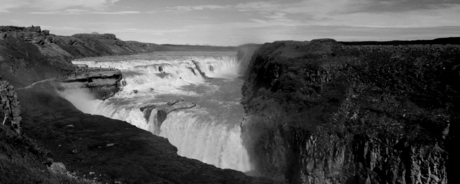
{"points": [[236, 22]]}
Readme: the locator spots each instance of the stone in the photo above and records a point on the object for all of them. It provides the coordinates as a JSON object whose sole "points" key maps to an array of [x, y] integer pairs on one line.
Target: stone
{"points": [[57, 168]]}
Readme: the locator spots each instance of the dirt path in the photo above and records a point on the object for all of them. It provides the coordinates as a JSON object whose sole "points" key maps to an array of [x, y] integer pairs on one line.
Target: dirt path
{"points": [[35, 83]]}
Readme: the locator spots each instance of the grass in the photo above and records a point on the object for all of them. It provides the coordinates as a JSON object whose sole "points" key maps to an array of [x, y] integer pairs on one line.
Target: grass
{"points": [[22, 161]]}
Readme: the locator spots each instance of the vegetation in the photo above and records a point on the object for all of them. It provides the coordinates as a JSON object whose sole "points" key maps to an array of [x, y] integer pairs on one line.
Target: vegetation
{"points": [[23, 161]]}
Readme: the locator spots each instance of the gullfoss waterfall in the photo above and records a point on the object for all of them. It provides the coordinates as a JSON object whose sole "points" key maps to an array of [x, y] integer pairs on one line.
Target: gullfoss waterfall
{"points": [[190, 98]]}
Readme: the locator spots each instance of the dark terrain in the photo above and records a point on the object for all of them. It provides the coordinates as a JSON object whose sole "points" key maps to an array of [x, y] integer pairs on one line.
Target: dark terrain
{"points": [[367, 112]]}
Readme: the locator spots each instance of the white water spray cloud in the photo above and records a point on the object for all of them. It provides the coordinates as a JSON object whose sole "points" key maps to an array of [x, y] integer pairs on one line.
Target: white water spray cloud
{"points": [[82, 99]]}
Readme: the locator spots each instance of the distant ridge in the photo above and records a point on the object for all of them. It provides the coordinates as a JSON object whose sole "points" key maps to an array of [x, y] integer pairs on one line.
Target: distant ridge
{"points": [[442, 41]]}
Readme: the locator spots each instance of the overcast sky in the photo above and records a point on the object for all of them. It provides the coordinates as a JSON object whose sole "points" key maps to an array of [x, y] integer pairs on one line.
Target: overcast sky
{"points": [[234, 22]]}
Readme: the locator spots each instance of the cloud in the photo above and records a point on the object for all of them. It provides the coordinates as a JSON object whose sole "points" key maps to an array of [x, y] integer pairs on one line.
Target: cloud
{"points": [[117, 13], [359, 13], [81, 12], [7, 5], [407, 5], [53, 5], [63, 4], [434, 17], [199, 7]]}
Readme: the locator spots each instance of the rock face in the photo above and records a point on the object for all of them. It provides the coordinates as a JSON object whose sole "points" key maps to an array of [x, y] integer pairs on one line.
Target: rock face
{"points": [[324, 112], [9, 106], [162, 112], [103, 83]]}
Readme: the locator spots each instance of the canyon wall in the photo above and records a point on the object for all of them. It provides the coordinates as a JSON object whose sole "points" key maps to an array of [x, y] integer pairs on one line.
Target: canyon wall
{"points": [[325, 112]]}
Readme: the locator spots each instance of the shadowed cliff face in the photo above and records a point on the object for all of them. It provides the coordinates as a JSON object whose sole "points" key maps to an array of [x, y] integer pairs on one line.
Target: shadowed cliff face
{"points": [[323, 112]]}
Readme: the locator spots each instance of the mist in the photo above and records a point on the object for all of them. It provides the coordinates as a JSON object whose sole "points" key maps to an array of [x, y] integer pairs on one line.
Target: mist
{"points": [[82, 99]]}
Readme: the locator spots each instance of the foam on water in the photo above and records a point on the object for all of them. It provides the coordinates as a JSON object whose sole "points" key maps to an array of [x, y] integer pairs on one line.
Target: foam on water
{"points": [[209, 133]]}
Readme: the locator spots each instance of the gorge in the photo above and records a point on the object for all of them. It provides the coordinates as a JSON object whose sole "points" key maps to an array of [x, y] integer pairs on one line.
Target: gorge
{"points": [[318, 111]]}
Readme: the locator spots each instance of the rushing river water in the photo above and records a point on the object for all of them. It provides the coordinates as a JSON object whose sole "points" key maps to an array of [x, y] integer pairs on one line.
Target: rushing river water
{"points": [[209, 132]]}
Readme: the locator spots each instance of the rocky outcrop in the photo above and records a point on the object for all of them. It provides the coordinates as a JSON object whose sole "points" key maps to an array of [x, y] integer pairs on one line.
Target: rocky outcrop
{"points": [[103, 83], [324, 112], [9, 106], [161, 112]]}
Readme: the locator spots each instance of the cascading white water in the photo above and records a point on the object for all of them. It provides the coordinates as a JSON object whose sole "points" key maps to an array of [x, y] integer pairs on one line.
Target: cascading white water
{"points": [[209, 132], [203, 138]]}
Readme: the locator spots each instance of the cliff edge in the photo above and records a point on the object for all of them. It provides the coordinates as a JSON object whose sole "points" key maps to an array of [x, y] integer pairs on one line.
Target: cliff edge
{"points": [[325, 112], [103, 83]]}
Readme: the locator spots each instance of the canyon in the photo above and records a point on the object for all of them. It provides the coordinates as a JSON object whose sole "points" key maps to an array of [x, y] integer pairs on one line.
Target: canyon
{"points": [[316, 112]]}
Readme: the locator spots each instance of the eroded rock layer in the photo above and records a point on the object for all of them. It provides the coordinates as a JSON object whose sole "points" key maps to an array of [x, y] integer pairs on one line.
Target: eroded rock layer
{"points": [[103, 83], [324, 112]]}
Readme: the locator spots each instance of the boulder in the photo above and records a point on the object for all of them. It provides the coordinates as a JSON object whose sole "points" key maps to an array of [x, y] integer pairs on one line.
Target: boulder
{"points": [[57, 168]]}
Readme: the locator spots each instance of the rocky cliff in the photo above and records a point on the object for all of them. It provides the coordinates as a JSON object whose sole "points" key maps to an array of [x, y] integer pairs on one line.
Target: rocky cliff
{"points": [[103, 83], [325, 112]]}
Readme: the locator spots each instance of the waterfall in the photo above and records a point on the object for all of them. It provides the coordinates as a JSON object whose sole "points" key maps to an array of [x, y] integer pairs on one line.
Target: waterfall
{"points": [[209, 132], [200, 137]]}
